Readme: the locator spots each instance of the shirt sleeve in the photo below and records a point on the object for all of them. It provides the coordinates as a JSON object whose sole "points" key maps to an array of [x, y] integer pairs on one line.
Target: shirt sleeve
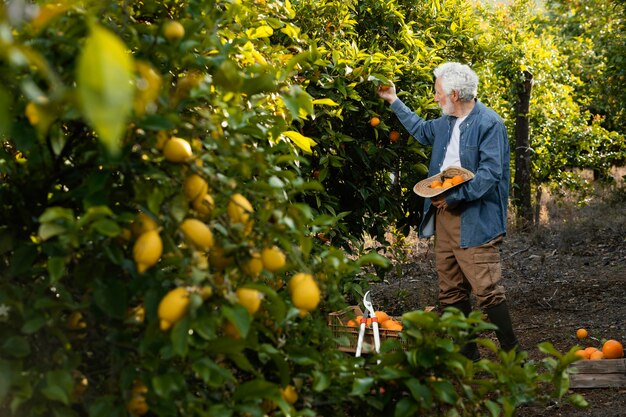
{"points": [[423, 131], [492, 150]]}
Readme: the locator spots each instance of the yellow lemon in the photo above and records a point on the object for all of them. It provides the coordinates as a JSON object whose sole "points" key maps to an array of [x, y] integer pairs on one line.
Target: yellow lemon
{"points": [[250, 299], [137, 405], [143, 223], [200, 260], [147, 250], [173, 307], [173, 31], [239, 209], [204, 204], [253, 266], [195, 187], [289, 394], [32, 113], [305, 293], [177, 150], [75, 321], [205, 292], [198, 233], [273, 259]]}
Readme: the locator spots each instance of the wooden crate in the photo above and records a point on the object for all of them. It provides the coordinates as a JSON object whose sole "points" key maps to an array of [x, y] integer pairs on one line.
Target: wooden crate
{"points": [[337, 322], [603, 373]]}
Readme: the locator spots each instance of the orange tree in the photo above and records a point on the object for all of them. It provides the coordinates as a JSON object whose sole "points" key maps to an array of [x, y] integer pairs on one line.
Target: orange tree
{"points": [[158, 255]]}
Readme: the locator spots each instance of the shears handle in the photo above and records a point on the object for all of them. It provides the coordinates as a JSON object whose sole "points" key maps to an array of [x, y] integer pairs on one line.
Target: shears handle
{"points": [[359, 343], [376, 334]]}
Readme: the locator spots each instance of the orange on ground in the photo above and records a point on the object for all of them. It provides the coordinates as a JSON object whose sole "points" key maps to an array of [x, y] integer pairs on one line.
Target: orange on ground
{"points": [[597, 355], [457, 179], [374, 121], [381, 316], [436, 184], [394, 135], [581, 333], [612, 349]]}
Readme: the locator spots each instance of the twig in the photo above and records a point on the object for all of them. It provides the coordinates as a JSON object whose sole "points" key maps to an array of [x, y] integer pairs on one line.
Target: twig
{"points": [[518, 252]]}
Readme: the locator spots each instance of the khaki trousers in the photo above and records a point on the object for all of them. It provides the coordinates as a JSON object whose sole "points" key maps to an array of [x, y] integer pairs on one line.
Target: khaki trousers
{"points": [[461, 271]]}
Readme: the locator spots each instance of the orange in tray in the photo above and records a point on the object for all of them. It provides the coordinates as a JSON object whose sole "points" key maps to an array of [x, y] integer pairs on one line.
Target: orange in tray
{"points": [[457, 179], [391, 325], [436, 184]]}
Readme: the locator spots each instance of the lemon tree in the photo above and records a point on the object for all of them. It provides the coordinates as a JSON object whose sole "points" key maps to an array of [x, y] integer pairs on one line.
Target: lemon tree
{"points": [[164, 192]]}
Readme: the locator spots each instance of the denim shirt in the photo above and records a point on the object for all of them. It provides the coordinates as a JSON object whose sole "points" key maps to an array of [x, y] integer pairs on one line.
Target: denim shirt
{"points": [[484, 150]]}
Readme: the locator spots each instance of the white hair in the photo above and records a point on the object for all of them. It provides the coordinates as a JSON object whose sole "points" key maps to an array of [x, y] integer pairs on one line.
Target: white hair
{"points": [[458, 77]]}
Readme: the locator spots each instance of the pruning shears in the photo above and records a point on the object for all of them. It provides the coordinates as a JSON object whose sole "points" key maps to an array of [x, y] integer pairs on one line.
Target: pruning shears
{"points": [[369, 311]]}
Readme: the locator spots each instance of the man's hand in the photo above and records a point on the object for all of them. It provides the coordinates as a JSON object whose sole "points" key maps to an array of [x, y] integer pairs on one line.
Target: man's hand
{"points": [[439, 201], [387, 93]]}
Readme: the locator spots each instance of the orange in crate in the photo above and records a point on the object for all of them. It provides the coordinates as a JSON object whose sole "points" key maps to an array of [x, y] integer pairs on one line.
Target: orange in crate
{"points": [[339, 322]]}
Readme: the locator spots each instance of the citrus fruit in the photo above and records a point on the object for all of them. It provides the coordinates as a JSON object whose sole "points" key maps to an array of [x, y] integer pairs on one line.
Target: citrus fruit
{"points": [[381, 316], [392, 325], [173, 307], [305, 293], [75, 321], [394, 136], [177, 150], [457, 179], [289, 394], [589, 350], [374, 121], [137, 405], [195, 187], [384, 87], [597, 355], [436, 184], [147, 250], [231, 331], [253, 266], [173, 31], [143, 223], [32, 113], [352, 323], [198, 233], [273, 258], [239, 209], [581, 333], [249, 298], [447, 183], [204, 204], [582, 353], [612, 349]]}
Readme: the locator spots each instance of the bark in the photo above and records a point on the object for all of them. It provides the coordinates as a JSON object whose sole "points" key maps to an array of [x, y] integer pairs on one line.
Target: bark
{"points": [[521, 188]]}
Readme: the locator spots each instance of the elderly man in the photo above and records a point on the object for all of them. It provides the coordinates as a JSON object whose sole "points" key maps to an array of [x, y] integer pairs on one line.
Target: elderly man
{"points": [[468, 221]]}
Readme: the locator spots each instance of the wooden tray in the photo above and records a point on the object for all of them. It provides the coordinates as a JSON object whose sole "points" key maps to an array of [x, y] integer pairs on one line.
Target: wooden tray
{"points": [[603, 373]]}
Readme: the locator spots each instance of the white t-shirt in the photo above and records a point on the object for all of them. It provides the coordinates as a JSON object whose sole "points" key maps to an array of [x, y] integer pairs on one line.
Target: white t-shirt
{"points": [[453, 157]]}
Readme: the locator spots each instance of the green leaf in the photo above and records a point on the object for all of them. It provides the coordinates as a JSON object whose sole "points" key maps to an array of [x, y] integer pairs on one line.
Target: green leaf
{"points": [[180, 337], [238, 316], [111, 297], [104, 407], [107, 227], [56, 267], [165, 385], [321, 381], [419, 392], [444, 391], [6, 378], [373, 258], [104, 84], [211, 373], [362, 386], [405, 408], [16, 346], [58, 386], [5, 115], [257, 388]]}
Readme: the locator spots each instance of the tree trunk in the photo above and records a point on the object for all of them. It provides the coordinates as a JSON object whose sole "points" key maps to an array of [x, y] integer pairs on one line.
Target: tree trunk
{"points": [[521, 189]]}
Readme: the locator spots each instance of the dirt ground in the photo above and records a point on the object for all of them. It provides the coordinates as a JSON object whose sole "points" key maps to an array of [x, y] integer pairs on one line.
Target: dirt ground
{"points": [[569, 272]]}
